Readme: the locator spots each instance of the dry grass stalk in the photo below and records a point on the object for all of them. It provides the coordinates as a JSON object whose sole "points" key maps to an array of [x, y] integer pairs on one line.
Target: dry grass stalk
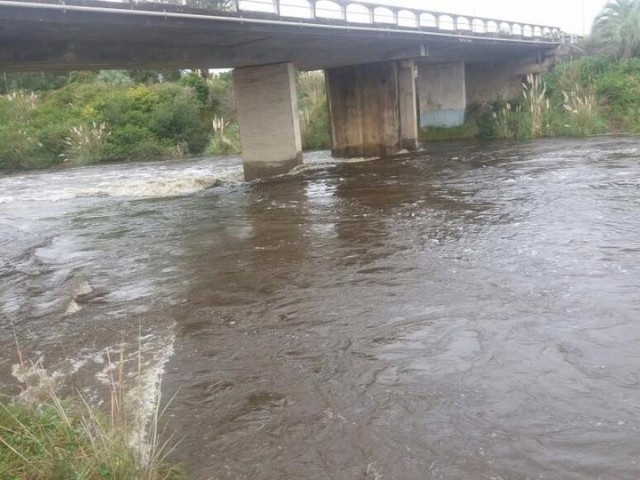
{"points": [[582, 106], [85, 142], [535, 96]]}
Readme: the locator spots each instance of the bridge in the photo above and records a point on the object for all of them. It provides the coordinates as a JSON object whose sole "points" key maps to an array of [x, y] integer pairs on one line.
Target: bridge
{"points": [[389, 70]]}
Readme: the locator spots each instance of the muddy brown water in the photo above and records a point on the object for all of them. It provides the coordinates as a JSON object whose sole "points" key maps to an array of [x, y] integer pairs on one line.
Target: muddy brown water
{"points": [[468, 312]]}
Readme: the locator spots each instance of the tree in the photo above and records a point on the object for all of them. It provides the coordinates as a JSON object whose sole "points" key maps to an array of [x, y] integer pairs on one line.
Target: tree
{"points": [[617, 29], [211, 4], [154, 76]]}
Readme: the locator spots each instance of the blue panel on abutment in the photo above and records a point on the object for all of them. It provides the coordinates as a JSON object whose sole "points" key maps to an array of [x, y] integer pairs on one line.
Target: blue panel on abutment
{"points": [[442, 118]]}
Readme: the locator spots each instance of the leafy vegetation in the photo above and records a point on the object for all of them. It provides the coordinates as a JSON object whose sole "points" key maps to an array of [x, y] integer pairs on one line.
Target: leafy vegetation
{"points": [[616, 30], [91, 117], [108, 118], [588, 96], [314, 113], [595, 94]]}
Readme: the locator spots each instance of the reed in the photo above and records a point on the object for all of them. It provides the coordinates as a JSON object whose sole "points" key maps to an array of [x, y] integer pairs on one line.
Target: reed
{"points": [[582, 106], [535, 97], [510, 122], [85, 143], [225, 139]]}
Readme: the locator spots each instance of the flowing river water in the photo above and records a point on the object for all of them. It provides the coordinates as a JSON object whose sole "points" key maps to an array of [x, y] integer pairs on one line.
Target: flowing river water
{"points": [[467, 312]]}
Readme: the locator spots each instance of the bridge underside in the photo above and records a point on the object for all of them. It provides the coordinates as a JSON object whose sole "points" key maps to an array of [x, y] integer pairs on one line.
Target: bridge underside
{"points": [[46, 37], [370, 69]]}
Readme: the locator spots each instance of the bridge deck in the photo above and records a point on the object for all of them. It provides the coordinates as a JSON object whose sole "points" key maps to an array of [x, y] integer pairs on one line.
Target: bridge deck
{"points": [[94, 34]]}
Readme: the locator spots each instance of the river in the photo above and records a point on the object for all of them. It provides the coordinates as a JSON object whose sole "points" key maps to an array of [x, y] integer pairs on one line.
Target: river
{"points": [[467, 312]]}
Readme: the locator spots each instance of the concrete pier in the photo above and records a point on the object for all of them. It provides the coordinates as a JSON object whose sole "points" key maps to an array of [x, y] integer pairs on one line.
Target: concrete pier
{"points": [[442, 95], [407, 105], [267, 107], [363, 106]]}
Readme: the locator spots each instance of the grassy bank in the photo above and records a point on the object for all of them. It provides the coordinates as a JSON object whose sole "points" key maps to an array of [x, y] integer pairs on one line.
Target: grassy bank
{"points": [[65, 441], [589, 96], [45, 437], [84, 118]]}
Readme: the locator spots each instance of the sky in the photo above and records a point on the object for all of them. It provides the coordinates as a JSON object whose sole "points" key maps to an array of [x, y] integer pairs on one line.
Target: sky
{"points": [[572, 16]]}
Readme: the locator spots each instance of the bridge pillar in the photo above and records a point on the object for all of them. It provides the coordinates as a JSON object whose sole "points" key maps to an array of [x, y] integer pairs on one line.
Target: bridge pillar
{"points": [[267, 107], [441, 95], [363, 106], [407, 105]]}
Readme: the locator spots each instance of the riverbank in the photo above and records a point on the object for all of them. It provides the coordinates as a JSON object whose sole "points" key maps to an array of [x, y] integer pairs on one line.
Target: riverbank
{"points": [[86, 118], [62, 440], [122, 116], [589, 96]]}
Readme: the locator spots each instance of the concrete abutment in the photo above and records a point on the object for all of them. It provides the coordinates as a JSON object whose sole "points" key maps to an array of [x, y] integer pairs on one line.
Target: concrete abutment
{"points": [[267, 107], [442, 95]]}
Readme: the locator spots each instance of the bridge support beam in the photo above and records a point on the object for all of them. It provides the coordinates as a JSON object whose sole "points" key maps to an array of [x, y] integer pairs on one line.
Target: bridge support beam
{"points": [[267, 107], [364, 110], [442, 95]]}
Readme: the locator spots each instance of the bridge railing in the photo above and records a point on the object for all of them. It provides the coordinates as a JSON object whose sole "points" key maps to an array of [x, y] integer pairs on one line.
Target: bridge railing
{"points": [[375, 14], [365, 13]]}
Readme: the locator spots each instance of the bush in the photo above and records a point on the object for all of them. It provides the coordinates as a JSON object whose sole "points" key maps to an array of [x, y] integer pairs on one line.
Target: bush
{"points": [[106, 119], [20, 149], [176, 121], [199, 84], [221, 99], [313, 111]]}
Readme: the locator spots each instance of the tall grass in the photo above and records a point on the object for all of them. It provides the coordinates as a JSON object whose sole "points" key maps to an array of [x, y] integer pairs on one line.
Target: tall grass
{"points": [[225, 139], [582, 107], [510, 122], [538, 113], [68, 439], [535, 98], [85, 143]]}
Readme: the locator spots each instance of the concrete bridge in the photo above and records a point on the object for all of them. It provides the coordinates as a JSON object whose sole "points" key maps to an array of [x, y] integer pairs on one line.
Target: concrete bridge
{"points": [[389, 70]]}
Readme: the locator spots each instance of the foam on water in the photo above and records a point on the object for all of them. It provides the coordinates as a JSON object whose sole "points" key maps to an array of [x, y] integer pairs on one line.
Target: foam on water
{"points": [[38, 383], [144, 397], [322, 163], [132, 180]]}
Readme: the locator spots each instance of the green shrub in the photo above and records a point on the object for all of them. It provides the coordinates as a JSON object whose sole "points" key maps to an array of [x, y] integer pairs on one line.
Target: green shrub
{"points": [[176, 121], [221, 99], [19, 148], [313, 111], [130, 141], [199, 84]]}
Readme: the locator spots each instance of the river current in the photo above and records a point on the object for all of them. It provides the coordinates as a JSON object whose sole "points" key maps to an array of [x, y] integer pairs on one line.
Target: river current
{"points": [[471, 311]]}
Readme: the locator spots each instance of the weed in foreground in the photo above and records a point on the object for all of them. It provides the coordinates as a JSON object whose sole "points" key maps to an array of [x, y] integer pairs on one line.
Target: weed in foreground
{"points": [[68, 439]]}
